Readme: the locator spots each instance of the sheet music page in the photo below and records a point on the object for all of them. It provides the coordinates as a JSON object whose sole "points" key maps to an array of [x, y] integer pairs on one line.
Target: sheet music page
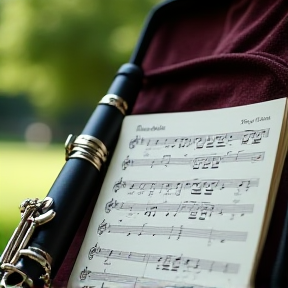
{"points": [[183, 201]]}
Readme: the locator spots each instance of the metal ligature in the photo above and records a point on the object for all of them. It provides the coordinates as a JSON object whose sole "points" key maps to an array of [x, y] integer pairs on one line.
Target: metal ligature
{"points": [[46, 229]]}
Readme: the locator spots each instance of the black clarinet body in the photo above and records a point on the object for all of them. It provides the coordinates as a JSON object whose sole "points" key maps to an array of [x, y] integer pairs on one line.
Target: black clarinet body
{"points": [[76, 184]]}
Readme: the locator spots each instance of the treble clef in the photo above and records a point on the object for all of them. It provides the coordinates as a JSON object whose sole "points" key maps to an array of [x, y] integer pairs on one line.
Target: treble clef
{"points": [[84, 273], [102, 227], [134, 142], [126, 163], [119, 184], [93, 251], [110, 205]]}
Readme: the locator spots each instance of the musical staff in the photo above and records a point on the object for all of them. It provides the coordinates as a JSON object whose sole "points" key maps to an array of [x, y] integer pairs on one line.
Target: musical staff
{"points": [[176, 232], [194, 209], [203, 141], [196, 162], [194, 186], [176, 263], [138, 282]]}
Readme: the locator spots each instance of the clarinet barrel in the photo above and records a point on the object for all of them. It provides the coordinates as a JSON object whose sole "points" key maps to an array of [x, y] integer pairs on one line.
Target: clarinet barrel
{"points": [[40, 242]]}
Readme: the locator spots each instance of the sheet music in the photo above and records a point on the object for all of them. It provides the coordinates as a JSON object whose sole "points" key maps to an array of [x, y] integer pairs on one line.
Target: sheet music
{"points": [[184, 200]]}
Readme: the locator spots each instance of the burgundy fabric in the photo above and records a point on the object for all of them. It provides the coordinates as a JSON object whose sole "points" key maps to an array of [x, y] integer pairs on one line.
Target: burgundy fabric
{"points": [[208, 58], [213, 59]]}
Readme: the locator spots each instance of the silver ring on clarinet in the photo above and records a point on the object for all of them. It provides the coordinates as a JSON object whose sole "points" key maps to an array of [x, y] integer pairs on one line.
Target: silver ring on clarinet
{"points": [[116, 101], [86, 147]]}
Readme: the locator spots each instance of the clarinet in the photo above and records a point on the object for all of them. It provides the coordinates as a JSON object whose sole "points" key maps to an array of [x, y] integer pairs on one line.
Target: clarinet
{"points": [[32, 252], [47, 227]]}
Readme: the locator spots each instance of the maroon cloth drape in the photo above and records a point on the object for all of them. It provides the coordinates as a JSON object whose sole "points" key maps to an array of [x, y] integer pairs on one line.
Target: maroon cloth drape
{"points": [[213, 57]]}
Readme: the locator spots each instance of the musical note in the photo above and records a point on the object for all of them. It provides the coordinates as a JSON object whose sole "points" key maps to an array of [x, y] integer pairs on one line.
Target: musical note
{"points": [[200, 141], [244, 186], [254, 136], [215, 162], [151, 211], [195, 186], [180, 232], [171, 232], [166, 263], [210, 141], [258, 135], [193, 263], [204, 212], [204, 141], [143, 226], [176, 263], [220, 141], [196, 162], [165, 160]]}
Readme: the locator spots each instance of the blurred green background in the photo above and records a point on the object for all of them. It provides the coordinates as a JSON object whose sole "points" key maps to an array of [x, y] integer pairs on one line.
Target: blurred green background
{"points": [[57, 60]]}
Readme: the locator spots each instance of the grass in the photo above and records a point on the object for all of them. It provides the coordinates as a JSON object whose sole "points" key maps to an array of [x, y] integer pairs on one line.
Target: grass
{"points": [[25, 172]]}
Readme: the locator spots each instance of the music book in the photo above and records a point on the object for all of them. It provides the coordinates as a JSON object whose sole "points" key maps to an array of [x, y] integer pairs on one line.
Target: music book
{"points": [[187, 199]]}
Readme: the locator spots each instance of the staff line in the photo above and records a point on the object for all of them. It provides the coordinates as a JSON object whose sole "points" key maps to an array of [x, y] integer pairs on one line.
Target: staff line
{"points": [[209, 140], [165, 260]]}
